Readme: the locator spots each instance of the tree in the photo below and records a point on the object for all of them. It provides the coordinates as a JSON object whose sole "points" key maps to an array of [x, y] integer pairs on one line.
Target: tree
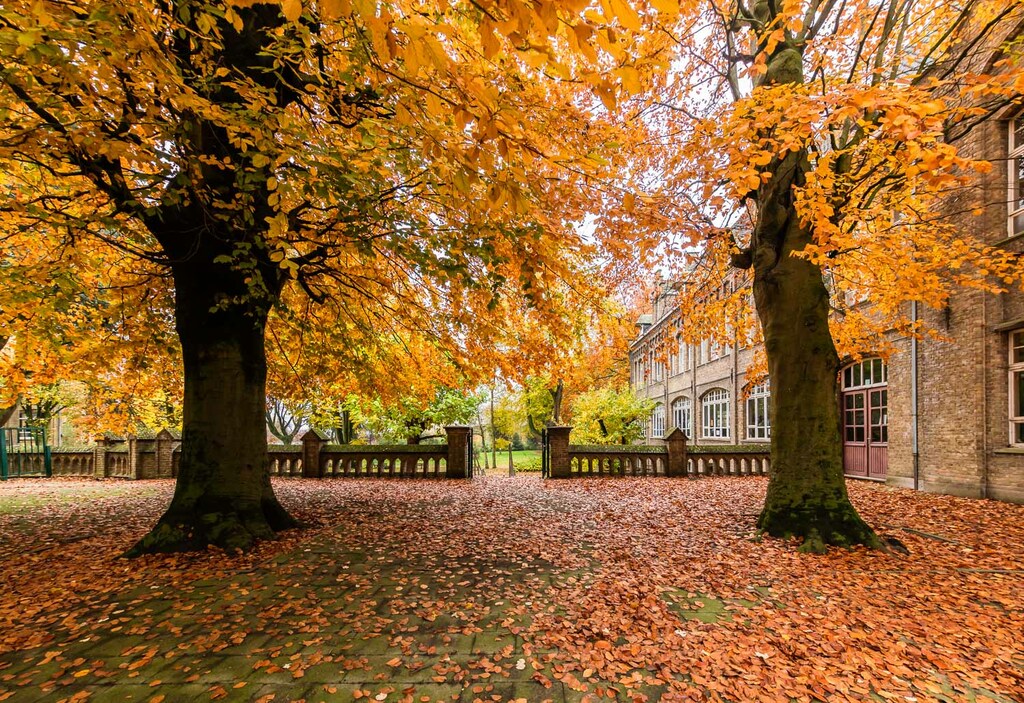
{"points": [[408, 419], [285, 420], [814, 145], [609, 416], [374, 159]]}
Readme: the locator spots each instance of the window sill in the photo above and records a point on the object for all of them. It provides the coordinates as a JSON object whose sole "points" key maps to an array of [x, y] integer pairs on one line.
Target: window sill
{"points": [[1009, 240], [1009, 450]]}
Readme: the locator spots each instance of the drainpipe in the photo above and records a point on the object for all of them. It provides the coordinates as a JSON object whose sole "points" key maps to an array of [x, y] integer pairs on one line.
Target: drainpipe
{"points": [[735, 398], [914, 449], [984, 396]]}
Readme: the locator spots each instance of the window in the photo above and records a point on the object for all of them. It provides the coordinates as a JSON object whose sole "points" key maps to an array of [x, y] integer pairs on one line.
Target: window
{"points": [[658, 421], [1017, 388], [870, 372], [27, 427], [759, 425], [681, 415], [715, 414], [865, 402], [1015, 176]]}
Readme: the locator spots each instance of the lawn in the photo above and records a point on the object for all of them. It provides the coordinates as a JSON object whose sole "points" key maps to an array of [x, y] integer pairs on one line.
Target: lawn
{"points": [[503, 589], [524, 460]]}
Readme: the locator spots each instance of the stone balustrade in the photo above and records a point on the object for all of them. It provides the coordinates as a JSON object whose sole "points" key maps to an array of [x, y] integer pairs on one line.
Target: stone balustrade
{"points": [[159, 457], [674, 458]]}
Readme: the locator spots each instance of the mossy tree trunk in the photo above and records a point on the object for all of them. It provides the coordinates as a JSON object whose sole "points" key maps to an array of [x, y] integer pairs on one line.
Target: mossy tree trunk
{"points": [[807, 494], [223, 494]]}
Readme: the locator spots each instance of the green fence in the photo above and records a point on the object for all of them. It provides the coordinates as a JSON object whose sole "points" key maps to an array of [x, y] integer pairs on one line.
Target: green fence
{"points": [[24, 452]]}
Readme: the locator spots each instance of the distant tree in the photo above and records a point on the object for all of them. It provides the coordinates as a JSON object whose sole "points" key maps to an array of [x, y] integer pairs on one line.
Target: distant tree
{"points": [[609, 416], [413, 419], [286, 420]]}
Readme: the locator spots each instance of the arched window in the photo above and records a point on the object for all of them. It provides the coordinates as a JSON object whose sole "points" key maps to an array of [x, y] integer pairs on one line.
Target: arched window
{"points": [[681, 415], [714, 407], [870, 372], [658, 421], [759, 425]]}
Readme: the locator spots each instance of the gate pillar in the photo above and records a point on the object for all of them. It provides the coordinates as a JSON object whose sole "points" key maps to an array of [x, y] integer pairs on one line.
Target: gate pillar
{"points": [[558, 446], [457, 464]]}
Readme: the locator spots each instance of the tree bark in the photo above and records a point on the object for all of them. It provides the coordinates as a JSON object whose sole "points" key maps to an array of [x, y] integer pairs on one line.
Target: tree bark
{"points": [[223, 495], [6, 413], [807, 490]]}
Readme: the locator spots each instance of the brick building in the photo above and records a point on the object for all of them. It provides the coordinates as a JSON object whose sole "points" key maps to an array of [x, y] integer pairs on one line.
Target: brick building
{"points": [[943, 415]]}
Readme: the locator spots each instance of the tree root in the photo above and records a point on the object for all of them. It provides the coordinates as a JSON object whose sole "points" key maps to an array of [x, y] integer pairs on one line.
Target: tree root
{"points": [[820, 526], [237, 530]]}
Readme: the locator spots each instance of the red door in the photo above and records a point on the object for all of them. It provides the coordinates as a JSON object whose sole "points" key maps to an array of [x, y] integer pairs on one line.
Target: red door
{"points": [[855, 434], [878, 432], [866, 420]]}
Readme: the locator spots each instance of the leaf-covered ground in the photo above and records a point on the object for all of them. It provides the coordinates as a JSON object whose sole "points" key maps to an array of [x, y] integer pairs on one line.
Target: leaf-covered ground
{"points": [[503, 589]]}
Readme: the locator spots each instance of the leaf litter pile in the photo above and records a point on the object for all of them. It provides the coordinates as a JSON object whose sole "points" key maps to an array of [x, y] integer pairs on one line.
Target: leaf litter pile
{"points": [[509, 589]]}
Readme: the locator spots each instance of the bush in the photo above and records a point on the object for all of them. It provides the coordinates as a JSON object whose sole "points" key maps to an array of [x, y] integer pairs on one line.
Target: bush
{"points": [[529, 463]]}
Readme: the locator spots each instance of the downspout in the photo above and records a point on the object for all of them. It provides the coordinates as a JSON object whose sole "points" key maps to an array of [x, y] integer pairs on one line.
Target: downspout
{"points": [[735, 391], [914, 449], [984, 396], [694, 405]]}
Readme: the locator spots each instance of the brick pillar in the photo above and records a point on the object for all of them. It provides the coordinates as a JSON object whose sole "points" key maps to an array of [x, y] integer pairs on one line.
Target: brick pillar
{"points": [[163, 446], [558, 442], [457, 465], [676, 445], [312, 443], [133, 456], [99, 458]]}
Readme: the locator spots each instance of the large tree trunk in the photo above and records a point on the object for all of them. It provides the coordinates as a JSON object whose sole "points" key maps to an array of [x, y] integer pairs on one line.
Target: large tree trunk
{"points": [[223, 494], [807, 490]]}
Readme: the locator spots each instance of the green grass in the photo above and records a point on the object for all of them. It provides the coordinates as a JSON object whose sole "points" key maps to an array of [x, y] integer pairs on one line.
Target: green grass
{"points": [[523, 460]]}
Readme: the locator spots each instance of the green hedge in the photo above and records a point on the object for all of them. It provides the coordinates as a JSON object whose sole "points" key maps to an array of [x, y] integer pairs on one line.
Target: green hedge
{"points": [[729, 449], [385, 448], [617, 448]]}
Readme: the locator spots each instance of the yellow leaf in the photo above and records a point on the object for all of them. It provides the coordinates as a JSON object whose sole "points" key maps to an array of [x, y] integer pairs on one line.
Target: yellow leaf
{"points": [[332, 9], [668, 7], [291, 9], [625, 14]]}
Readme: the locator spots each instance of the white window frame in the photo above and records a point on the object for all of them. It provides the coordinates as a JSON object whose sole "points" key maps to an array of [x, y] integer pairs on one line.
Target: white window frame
{"points": [[714, 414], [864, 374], [1016, 368], [658, 421], [682, 415], [1014, 164], [25, 429], [759, 424]]}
